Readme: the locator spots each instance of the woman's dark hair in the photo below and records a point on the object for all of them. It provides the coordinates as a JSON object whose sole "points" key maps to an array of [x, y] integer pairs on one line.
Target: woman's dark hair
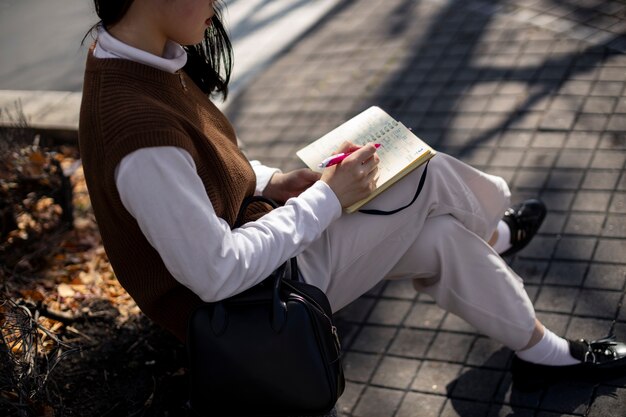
{"points": [[209, 63]]}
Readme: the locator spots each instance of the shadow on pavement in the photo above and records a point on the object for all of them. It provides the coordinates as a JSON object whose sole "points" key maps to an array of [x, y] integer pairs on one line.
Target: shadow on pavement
{"points": [[479, 98], [483, 387]]}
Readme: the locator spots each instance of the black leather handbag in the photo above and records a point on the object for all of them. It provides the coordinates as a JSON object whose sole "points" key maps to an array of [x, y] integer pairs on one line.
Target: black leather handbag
{"points": [[272, 350]]}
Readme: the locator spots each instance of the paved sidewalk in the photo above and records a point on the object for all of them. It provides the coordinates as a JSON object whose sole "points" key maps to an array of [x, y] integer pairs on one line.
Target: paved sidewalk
{"points": [[532, 90]]}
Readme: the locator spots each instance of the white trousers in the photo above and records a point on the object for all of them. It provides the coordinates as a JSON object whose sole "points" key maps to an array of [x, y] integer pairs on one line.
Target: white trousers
{"points": [[439, 242]]}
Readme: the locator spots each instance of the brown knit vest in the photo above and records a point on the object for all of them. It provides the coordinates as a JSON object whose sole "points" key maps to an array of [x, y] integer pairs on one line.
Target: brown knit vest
{"points": [[127, 106]]}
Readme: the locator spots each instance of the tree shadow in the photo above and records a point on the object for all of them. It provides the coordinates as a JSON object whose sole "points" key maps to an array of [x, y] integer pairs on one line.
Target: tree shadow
{"points": [[486, 387], [439, 84], [447, 58]]}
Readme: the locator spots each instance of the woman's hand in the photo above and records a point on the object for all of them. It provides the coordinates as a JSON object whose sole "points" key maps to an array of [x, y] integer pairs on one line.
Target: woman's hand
{"points": [[355, 177], [282, 187]]}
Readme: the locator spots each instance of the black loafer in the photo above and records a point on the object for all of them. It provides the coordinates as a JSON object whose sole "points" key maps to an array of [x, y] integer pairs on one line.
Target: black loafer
{"points": [[524, 220], [601, 360]]}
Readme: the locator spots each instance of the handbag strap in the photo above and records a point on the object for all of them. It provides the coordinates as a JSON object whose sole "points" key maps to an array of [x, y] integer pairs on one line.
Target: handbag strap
{"points": [[284, 271]]}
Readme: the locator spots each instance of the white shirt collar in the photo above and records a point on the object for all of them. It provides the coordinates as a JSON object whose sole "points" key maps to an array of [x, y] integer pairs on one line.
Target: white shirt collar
{"points": [[173, 59]]}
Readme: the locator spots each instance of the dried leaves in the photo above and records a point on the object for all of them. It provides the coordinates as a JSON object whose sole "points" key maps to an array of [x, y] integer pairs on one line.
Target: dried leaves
{"points": [[51, 275], [75, 267]]}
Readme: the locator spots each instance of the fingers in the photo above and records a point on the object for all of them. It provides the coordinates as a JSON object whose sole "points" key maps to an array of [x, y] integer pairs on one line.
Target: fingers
{"points": [[356, 176], [366, 174], [346, 146], [371, 171], [363, 154]]}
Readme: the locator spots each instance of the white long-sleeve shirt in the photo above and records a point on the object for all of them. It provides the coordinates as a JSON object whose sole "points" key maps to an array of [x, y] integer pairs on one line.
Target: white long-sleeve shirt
{"points": [[160, 188]]}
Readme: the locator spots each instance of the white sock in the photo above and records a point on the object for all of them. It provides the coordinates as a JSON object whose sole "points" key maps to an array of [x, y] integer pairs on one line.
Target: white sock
{"points": [[503, 242], [551, 350]]}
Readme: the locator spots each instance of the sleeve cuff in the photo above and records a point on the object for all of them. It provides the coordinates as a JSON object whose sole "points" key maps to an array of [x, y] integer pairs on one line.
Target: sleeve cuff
{"points": [[263, 175]]}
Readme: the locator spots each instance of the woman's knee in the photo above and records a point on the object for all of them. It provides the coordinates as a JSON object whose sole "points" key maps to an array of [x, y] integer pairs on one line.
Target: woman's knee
{"points": [[441, 227]]}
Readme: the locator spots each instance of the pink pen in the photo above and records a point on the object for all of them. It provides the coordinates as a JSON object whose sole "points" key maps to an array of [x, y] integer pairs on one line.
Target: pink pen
{"points": [[335, 159]]}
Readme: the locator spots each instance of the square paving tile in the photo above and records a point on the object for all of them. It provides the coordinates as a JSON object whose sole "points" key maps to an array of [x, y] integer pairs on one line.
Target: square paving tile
{"points": [[359, 367], [591, 201], [539, 158], [531, 271], [416, 404], [357, 310], [402, 288], [488, 353], [556, 299], [412, 342], [373, 339], [568, 398], [575, 248], [508, 394], [566, 273], [600, 180], [573, 159], [463, 408], [598, 303], [390, 312], [618, 204], [558, 200], [615, 140], [549, 140], [602, 105], [477, 384], [585, 224], [608, 160], [615, 226], [450, 346], [436, 377], [426, 315], [350, 396], [610, 250], [396, 372], [565, 179], [376, 402], [582, 140], [588, 328], [609, 402], [591, 122], [610, 277], [531, 178], [540, 247], [457, 324]]}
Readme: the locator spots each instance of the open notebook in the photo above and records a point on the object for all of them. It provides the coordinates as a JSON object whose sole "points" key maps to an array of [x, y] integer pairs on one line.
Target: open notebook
{"points": [[400, 153]]}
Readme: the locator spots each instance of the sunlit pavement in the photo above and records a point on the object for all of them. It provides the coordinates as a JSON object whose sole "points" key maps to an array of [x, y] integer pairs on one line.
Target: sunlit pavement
{"points": [[532, 91]]}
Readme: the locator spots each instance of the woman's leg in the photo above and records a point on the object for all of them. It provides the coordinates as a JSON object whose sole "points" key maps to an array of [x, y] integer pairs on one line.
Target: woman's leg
{"points": [[358, 250], [465, 276], [441, 243]]}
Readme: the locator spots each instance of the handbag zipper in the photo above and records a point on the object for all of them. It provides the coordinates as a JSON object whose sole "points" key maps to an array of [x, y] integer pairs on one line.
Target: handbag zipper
{"points": [[297, 297], [309, 299], [333, 329]]}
